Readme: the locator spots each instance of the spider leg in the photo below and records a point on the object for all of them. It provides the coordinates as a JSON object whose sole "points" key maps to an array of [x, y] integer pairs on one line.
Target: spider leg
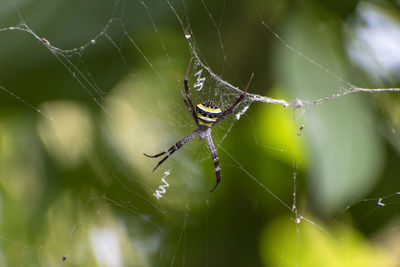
{"points": [[188, 100], [173, 148], [184, 100], [215, 159], [234, 105]]}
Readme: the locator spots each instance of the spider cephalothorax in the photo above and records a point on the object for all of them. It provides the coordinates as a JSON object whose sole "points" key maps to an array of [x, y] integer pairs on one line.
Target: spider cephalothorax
{"points": [[206, 115]]}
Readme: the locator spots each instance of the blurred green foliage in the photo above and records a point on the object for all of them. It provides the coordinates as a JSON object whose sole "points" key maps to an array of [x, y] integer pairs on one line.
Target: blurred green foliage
{"points": [[76, 189]]}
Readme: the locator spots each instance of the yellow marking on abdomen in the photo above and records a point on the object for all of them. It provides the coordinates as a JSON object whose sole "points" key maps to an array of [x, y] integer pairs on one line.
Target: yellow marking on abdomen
{"points": [[201, 117], [201, 106]]}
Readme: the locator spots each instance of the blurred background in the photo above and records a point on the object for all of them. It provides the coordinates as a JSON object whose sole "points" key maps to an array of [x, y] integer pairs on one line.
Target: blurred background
{"points": [[87, 87]]}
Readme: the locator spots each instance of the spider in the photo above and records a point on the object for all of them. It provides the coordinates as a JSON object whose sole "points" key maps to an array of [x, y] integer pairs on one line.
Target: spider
{"points": [[207, 115]]}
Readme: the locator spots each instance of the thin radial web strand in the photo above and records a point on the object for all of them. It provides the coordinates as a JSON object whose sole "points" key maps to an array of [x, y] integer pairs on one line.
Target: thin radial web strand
{"points": [[221, 43], [292, 209], [132, 41], [256, 180], [299, 53], [156, 30], [26, 103], [133, 209], [81, 79]]}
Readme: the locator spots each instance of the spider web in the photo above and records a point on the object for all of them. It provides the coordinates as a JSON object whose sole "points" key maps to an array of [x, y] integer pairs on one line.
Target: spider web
{"points": [[302, 158]]}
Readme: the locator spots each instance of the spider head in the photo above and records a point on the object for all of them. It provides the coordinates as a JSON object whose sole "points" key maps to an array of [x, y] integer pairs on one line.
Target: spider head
{"points": [[207, 113]]}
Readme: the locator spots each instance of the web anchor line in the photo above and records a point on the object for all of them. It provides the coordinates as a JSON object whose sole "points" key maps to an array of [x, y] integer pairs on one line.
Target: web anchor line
{"points": [[161, 189], [299, 103]]}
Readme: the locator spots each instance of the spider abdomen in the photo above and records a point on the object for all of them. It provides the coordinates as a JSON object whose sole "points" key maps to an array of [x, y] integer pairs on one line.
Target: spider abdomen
{"points": [[207, 113]]}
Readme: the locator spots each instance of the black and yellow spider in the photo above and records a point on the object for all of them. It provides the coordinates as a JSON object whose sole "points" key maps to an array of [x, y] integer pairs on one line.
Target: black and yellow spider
{"points": [[206, 116]]}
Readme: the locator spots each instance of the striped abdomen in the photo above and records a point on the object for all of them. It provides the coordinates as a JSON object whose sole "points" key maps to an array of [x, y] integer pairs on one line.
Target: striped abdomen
{"points": [[207, 113]]}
